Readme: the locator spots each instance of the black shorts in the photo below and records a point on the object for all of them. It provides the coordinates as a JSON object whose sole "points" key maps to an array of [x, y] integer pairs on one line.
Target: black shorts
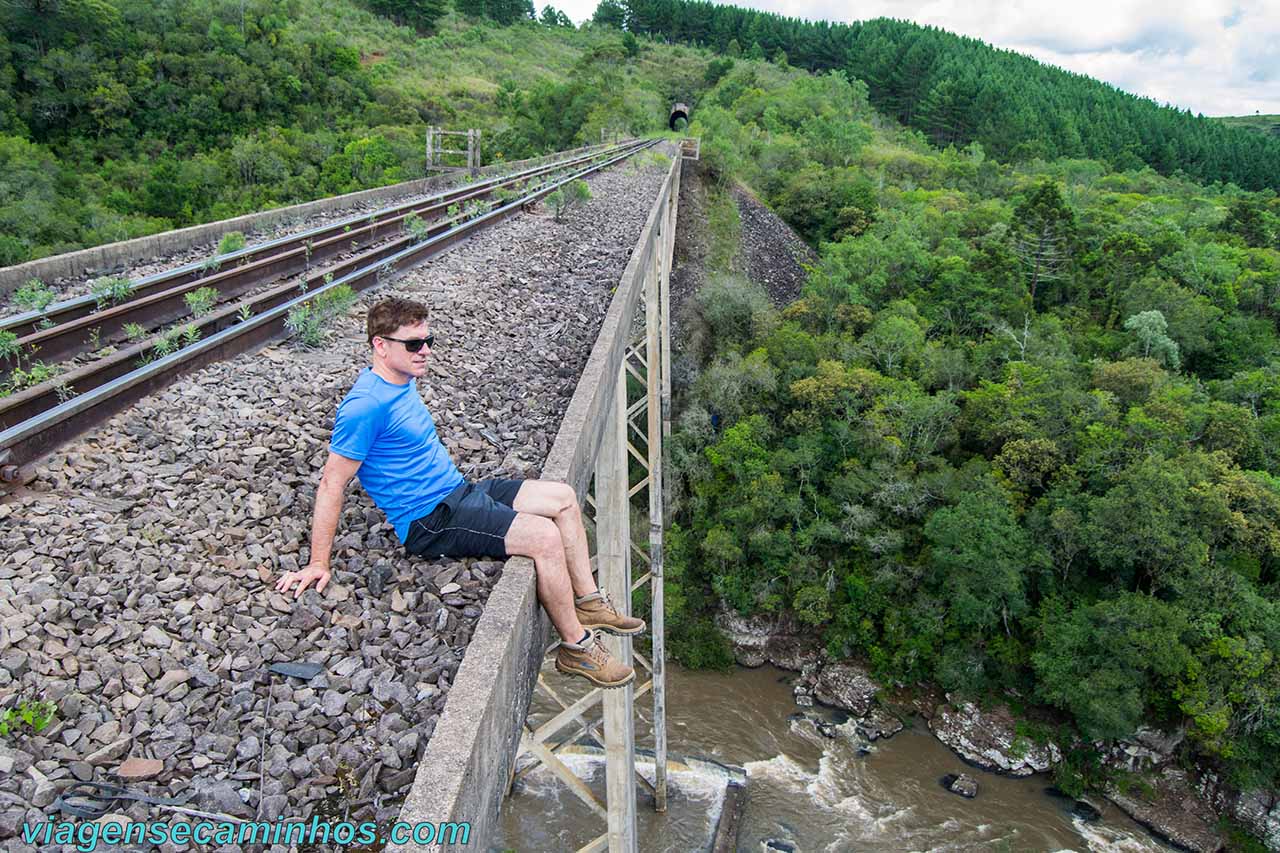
{"points": [[471, 521]]}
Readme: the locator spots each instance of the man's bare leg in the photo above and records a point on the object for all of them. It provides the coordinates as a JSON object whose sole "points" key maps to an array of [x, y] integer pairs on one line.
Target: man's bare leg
{"points": [[558, 502], [538, 537]]}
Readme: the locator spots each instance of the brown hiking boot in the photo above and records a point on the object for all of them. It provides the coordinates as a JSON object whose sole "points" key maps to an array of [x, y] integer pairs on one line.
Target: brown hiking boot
{"points": [[592, 661], [595, 611]]}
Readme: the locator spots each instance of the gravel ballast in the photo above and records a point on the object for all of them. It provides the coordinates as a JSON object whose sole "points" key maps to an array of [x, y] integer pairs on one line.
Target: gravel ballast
{"points": [[137, 570]]}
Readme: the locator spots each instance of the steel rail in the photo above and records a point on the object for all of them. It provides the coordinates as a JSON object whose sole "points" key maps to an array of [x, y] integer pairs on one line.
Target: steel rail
{"points": [[28, 323], [28, 440]]}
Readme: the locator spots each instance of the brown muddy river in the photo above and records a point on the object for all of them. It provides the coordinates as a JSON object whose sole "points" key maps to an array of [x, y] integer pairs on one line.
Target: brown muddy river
{"points": [[806, 792]]}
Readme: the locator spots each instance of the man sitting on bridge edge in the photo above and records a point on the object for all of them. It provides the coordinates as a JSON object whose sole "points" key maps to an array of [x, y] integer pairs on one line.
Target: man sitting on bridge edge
{"points": [[384, 433]]}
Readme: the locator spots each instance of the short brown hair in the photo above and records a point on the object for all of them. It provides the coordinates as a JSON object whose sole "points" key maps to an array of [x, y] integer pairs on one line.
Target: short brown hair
{"points": [[390, 314]]}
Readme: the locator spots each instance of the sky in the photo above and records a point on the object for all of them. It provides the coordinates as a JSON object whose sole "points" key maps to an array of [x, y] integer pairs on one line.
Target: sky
{"points": [[1216, 57]]}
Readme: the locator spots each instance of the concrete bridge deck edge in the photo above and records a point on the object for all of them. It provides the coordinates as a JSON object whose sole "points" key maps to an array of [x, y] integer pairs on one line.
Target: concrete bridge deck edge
{"points": [[464, 773]]}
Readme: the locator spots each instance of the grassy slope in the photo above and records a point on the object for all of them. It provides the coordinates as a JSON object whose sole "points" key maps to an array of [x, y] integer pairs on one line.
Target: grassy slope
{"points": [[461, 64], [1260, 123], [456, 73]]}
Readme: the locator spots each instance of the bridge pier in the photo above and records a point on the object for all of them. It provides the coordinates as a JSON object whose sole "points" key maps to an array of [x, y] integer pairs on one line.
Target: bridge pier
{"points": [[613, 541]]}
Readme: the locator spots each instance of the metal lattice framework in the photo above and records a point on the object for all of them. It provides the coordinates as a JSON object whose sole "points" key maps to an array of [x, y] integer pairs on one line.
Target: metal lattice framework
{"points": [[436, 150], [635, 426]]}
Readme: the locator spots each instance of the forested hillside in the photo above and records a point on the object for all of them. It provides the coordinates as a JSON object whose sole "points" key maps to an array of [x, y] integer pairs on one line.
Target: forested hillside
{"points": [[1019, 433], [127, 117], [958, 90]]}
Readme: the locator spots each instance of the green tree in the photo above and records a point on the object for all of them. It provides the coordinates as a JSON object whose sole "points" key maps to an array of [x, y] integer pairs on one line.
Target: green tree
{"points": [[1149, 328], [1112, 663], [836, 141], [1192, 320], [980, 558], [610, 13], [1133, 381], [716, 69], [825, 205], [507, 12], [1043, 233], [1248, 219], [1145, 528], [1125, 257], [419, 14], [895, 341]]}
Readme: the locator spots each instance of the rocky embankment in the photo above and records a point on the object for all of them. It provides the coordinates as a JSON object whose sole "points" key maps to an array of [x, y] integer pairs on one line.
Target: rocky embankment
{"points": [[989, 739], [770, 252], [1178, 806], [774, 254], [137, 570]]}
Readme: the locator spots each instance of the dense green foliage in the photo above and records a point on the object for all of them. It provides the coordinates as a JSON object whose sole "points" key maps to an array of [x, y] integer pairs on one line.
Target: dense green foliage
{"points": [[419, 14], [1019, 432], [120, 118], [959, 90], [502, 12]]}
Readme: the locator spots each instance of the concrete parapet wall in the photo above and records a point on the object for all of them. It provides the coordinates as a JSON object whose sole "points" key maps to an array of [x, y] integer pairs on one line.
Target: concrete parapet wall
{"points": [[111, 257], [466, 769]]}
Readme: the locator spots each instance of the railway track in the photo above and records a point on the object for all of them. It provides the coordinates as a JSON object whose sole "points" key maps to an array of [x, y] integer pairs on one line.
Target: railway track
{"points": [[255, 293], [63, 330]]}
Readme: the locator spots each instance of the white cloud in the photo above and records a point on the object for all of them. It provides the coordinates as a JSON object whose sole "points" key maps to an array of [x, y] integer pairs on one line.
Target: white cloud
{"points": [[1217, 57]]}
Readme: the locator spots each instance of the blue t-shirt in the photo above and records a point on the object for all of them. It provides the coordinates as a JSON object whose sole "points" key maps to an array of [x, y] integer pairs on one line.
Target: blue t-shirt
{"points": [[405, 468]]}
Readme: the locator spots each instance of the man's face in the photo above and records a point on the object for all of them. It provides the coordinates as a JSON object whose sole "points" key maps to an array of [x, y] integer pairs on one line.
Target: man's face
{"points": [[400, 359]]}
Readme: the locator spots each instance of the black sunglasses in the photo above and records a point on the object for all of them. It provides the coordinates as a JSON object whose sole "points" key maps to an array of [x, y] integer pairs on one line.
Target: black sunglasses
{"points": [[413, 344]]}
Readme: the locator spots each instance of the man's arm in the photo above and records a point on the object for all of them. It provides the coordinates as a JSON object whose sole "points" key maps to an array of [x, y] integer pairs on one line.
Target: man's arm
{"points": [[338, 471]]}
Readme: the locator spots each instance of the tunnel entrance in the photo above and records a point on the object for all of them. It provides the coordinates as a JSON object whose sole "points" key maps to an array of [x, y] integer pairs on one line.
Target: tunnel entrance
{"points": [[679, 119]]}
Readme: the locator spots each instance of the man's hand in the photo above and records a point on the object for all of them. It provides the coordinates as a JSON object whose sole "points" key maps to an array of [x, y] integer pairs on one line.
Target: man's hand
{"points": [[304, 578]]}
